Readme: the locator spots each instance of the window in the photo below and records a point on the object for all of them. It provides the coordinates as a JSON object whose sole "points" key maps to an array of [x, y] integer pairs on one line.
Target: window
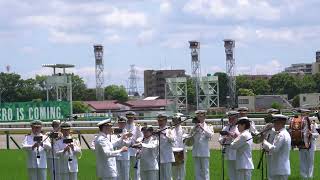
{"points": [[243, 101], [304, 99]]}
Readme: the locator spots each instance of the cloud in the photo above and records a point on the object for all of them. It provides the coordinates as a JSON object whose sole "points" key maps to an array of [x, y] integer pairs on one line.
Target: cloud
{"points": [[269, 68], [124, 19], [145, 36], [114, 39], [165, 7], [52, 21], [239, 9], [69, 38], [28, 50]]}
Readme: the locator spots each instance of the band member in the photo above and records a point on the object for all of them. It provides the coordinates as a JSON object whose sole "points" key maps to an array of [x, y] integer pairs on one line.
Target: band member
{"points": [[225, 140], [36, 145], [123, 161], [68, 149], [136, 137], [148, 155], [201, 134], [269, 135], [166, 143], [243, 146], [178, 167], [106, 153], [50, 155], [243, 112], [307, 154], [279, 150]]}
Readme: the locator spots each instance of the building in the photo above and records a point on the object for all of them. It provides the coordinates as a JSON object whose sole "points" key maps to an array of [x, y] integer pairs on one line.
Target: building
{"points": [[301, 68], [260, 103], [155, 80], [309, 100], [316, 65], [148, 107]]}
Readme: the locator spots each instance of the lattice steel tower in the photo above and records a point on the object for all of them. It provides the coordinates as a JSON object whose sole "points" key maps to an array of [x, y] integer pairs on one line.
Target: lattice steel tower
{"points": [[133, 87], [98, 54], [229, 45], [195, 66]]}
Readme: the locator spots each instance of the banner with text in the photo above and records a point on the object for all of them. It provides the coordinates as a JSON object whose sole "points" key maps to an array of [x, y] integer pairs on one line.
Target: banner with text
{"points": [[28, 111]]}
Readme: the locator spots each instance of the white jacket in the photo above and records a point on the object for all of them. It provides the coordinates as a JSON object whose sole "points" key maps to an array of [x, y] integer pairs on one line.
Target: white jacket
{"points": [[32, 160], [179, 134], [149, 154], [201, 140], [314, 137], [280, 153], [65, 165], [124, 156], [136, 136], [244, 150], [230, 154], [106, 156], [166, 144]]}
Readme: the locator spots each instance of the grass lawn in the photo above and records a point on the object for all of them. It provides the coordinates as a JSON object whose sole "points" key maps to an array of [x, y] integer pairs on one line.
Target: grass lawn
{"points": [[13, 165]]}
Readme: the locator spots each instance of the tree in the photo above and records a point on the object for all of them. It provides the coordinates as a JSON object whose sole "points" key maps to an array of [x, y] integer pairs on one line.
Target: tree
{"points": [[243, 82], [223, 87], [316, 79], [276, 105], [191, 92], [78, 88], [296, 101], [79, 107], [284, 83], [29, 90], [9, 85], [245, 92], [307, 84], [261, 87], [114, 92]]}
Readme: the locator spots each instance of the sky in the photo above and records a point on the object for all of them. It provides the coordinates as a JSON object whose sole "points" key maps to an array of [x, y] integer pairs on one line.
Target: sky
{"points": [[154, 34]]}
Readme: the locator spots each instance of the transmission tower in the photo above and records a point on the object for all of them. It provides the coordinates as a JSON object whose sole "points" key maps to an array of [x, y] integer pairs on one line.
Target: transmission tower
{"points": [[133, 87], [195, 66], [98, 53], [229, 45]]}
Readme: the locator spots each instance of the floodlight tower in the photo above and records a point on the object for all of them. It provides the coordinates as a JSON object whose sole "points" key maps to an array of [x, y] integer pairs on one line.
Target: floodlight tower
{"points": [[229, 45], [195, 66], [98, 54], [133, 87]]}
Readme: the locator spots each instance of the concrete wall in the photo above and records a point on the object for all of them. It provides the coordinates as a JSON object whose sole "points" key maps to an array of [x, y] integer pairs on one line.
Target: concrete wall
{"points": [[312, 99], [247, 101]]}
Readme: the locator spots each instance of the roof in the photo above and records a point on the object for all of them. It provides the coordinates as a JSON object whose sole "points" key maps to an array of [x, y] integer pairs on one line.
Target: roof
{"points": [[151, 98], [103, 105], [157, 103]]}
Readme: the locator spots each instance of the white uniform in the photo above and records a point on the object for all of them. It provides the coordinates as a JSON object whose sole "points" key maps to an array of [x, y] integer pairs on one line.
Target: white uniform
{"points": [[269, 136], [244, 164], [68, 161], [37, 167], [307, 155], [280, 153], [149, 162], [136, 136], [123, 163], [50, 162], [201, 151], [230, 154], [106, 156], [166, 154], [178, 171]]}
